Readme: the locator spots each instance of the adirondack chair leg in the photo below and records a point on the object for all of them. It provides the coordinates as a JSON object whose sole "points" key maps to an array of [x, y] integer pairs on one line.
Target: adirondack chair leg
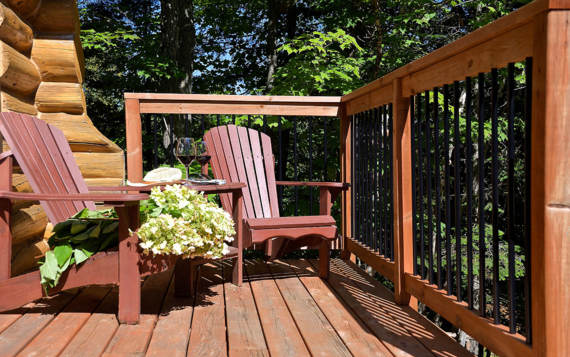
{"points": [[186, 275], [237, 204], [129, 275], [324, 259], [5, 208]]}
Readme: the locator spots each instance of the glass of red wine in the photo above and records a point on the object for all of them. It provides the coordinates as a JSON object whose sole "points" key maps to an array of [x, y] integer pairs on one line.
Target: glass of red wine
{"points": [[202, 155], [186, 154]]}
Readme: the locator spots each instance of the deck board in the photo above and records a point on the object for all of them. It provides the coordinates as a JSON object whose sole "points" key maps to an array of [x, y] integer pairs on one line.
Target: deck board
{"points": [[282, 309]]}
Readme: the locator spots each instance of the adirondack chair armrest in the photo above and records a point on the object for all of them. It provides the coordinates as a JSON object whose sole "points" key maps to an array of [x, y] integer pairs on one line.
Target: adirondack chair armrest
{"points": [[328, 192], [114, 199], [331, 185]]}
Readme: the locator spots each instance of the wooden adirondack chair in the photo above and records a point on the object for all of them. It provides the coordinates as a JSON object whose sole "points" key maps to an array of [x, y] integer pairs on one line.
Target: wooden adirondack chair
{"points": [[46, 159], [245, 155]]}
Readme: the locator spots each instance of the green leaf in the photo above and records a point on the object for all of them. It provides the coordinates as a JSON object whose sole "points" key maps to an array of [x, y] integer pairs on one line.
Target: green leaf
{"points": [[80, 256], [62, 253], [49, 269]]}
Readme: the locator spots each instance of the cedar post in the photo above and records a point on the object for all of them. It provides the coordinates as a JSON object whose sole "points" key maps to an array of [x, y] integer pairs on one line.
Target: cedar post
{"points": [[129, 274], [345, 167], [134, 140], [5, 208], [549, 183], [402, 183]]}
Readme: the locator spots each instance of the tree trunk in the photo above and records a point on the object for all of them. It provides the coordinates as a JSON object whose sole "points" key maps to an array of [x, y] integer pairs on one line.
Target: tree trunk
{"points": [[272, 28], [379, 36], [179, 41]]}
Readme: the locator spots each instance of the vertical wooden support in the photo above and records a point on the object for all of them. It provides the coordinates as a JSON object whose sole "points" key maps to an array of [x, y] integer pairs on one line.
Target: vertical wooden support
{"points": [[134, 140], [5, 208], [550, 183], [346, 177], [237, 205], [129, 275], [325, 201], [402, 183]]}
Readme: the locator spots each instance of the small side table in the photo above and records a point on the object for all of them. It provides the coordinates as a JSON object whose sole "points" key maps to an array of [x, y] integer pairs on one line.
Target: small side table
{"points": [[186, 271]]}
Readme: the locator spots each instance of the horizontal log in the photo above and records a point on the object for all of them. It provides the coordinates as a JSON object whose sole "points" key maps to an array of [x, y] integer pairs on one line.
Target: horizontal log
{"points": [[80, 132], [25, 9], [28, 257], [18, 74], [55, 97], [14, 31], [57, 60], [56, 16], [17, 103], [27, 223], [101, 165]]}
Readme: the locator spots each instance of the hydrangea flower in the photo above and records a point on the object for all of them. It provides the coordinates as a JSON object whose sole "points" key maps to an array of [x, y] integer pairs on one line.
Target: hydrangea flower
{"points": [[182, 222]]}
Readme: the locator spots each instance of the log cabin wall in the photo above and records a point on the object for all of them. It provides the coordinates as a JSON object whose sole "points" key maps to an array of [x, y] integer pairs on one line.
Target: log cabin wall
{"points": [[41, 73]]}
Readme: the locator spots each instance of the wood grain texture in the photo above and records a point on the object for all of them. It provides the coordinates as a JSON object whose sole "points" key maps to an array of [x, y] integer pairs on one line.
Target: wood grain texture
{"points": [[550, 191], [377, 262], [18, 74], [134, 140], [279, 329], [93, 337], [66, 324], [55, 97], [312, 323], [57, 60], [208, 333], [355, 335], [17, 103], [244, 331], [13, 31]]}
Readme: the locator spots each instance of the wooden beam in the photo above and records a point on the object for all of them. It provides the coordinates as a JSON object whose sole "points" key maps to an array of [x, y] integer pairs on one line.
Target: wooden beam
{"points": [[134, 140], [369, 100], [495, 337], [550, 183], [345, 171], [402, 183], [383, 266]]}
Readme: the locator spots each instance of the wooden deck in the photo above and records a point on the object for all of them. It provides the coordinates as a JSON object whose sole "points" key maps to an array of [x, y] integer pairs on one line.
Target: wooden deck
{"points": [[283, 309]]}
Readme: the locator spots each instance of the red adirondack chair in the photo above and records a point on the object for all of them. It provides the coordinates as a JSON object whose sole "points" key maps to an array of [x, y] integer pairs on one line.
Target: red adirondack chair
{"points": [[245, 155], [46, 159]]}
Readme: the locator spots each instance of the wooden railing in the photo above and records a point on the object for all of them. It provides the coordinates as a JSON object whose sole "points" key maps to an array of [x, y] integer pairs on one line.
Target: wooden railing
{"points": [[537, 36], [304, 133]]}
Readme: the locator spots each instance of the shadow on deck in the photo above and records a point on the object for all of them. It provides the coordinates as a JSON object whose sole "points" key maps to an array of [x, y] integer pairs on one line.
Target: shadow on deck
{"points": [[282, 309]]}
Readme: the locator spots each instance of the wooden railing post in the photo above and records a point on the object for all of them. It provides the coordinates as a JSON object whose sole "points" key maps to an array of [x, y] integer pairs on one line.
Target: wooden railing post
{"points": [[346, 167], [550, 183], [134, 140], [402, 176]]}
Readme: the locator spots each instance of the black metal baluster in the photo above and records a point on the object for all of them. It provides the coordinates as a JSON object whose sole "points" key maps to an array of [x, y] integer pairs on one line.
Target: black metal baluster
{"points": [[381, 192], [390, 178], [218, 120], [527, 147], [187, 119], [202, 124], [154, 123], [378, 175], [429, 188], [447, 188], [469, 187], [374, 171], [437, 186], [370, 174], [357, 144], [296, 163], [249, 121], [281, 163], [171, 148], [325, 147], [481, 167], [495, 193], [310, 123], [353, 221], [457, 184], [233, 119], [364, 178], [421, 183], [414, 182], [384, 214], [511, 193]]}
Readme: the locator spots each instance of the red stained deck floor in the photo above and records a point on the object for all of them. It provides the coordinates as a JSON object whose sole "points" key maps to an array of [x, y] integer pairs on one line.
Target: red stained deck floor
{"points": [[283, 309]]}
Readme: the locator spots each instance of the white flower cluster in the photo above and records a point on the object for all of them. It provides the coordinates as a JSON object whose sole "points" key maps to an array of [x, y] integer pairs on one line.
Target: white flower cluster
{"points": [[183, 222]]}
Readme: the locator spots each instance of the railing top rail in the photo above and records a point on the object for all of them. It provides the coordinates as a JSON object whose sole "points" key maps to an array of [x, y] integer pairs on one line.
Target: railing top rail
{"points": [[233, 98], [502, 25], [168, 103]]}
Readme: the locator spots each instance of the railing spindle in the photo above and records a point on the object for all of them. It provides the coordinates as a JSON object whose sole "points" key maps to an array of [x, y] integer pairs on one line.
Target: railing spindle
{"points": [[437, 186], [511, 192], [481, 167], [429, 187], [447, 189], [457, 182], [495, 194]]}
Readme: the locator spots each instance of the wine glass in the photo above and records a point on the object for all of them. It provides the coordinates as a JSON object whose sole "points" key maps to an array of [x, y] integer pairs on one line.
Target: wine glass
{"points": [[186, 153], [202, 156]]}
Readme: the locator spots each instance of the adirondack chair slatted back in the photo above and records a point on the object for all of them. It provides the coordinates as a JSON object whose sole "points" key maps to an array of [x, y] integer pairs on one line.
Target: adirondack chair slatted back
{"points": [[46, 159], [245, 155]]}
